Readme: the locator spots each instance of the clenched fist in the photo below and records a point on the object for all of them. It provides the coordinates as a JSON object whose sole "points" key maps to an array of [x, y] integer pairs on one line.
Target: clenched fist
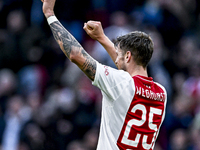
{"points": [[94, 30]]}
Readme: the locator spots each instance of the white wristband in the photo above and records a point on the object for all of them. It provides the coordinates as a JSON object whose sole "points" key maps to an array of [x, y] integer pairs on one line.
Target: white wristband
{"points": [[51, 19]]}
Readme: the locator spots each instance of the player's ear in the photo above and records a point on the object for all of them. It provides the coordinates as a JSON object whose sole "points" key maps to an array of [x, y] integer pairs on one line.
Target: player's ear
{"points": [[128, 56]]}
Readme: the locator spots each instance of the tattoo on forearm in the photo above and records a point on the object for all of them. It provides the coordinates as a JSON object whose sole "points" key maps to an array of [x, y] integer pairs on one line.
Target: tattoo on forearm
{"points": [[69, 44], [89, 66], [63, 37]]}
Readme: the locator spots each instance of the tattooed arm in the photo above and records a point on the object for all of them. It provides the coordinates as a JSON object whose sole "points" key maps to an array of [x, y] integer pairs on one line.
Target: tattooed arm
{"points": [[73, 50], [68, 44]]}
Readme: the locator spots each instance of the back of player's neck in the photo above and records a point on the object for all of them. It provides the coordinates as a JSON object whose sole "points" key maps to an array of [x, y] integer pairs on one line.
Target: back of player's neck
{"points": [[139, 70]]}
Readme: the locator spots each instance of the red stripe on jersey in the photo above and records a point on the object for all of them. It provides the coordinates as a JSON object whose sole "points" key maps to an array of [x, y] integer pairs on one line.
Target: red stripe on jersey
{"points": [[144, 116]]}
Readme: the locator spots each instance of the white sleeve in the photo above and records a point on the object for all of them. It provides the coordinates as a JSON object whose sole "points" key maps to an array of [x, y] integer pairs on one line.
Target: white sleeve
{"points": [[111, 81]]}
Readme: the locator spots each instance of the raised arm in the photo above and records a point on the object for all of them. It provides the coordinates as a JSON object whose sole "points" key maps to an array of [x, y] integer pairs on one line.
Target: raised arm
{"points": [[68, 44], [95, 31]]}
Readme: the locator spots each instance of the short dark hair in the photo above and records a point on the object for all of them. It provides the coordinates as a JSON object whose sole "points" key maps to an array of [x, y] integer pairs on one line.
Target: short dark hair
{"points": [[139, 44]]}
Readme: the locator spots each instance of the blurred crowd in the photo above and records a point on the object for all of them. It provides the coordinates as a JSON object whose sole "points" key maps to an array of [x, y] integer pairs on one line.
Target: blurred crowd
{"points": [[47, 103]]}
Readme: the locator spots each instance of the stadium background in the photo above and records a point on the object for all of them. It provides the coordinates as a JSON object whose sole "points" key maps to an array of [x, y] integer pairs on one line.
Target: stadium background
{"points": [[47, 103]]}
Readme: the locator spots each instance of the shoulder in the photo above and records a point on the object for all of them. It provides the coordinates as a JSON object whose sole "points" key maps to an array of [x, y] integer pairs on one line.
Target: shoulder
{"points": [[112, 72], [161, 86], [110, 77]]}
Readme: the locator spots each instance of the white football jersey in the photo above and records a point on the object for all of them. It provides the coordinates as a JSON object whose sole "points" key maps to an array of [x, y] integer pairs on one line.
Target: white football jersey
{"points": [[133, 109]]}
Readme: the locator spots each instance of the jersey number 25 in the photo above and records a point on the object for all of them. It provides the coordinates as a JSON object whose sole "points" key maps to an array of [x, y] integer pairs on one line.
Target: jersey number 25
{"points": [[136, 122]]}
